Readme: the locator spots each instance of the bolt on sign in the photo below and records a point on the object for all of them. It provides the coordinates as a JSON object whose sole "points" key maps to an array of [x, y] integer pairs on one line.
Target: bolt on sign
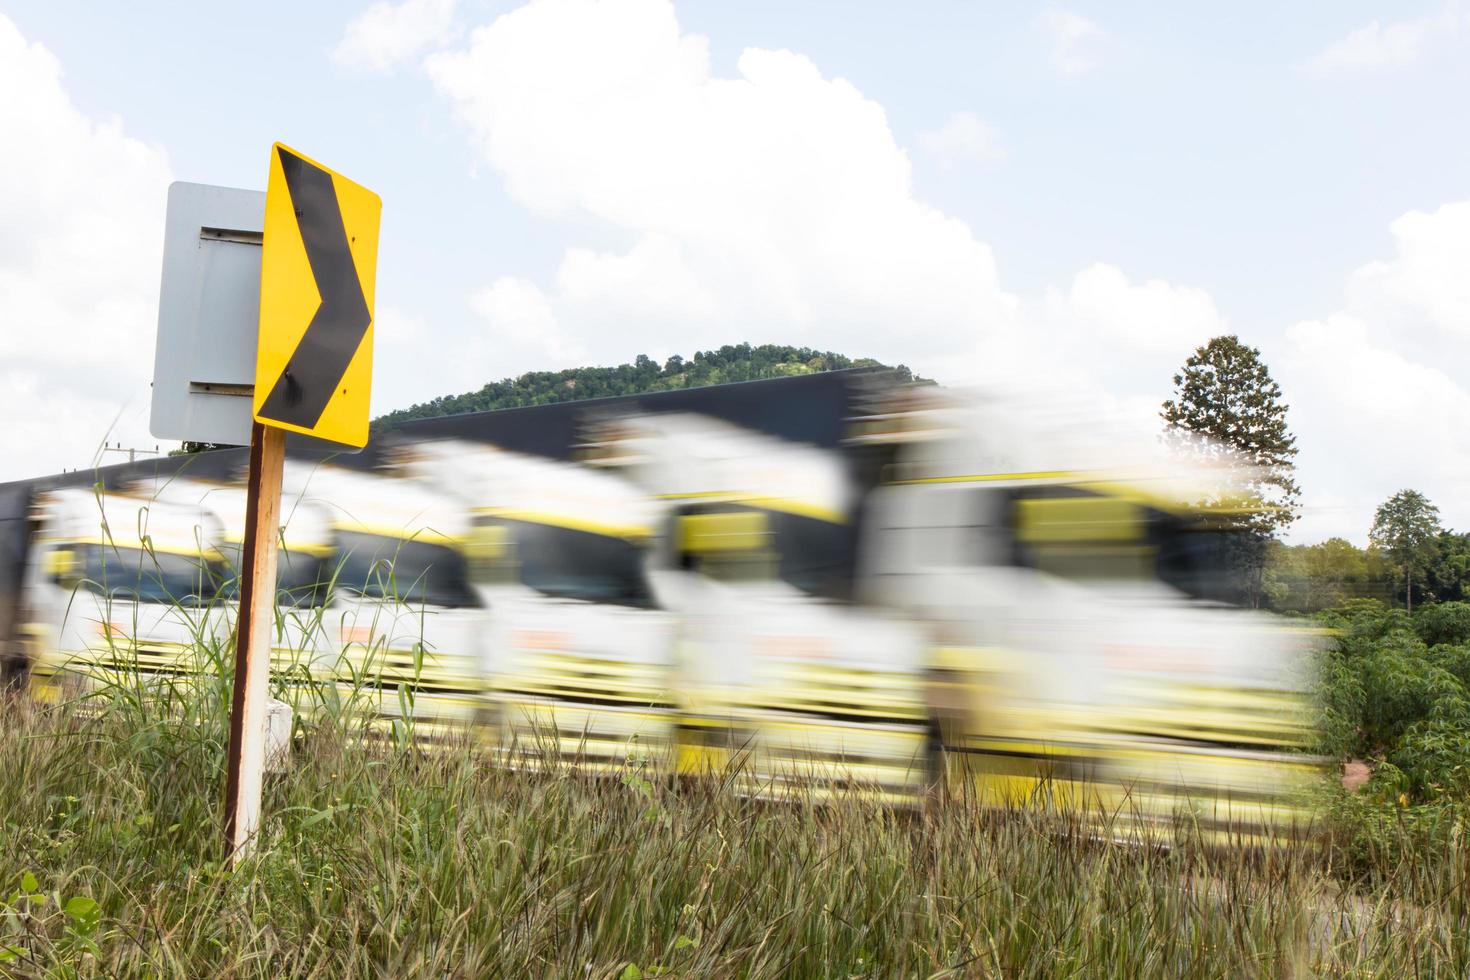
{"points": [[314, 359]]}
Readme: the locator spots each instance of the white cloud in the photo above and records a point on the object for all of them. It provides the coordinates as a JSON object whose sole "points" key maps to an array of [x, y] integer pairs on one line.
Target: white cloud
{"points": [[81, 232], [1076, 41], [1381, 389], [773, 205], [1151, 318], [388, 34], [1428, 281], [521, 319], [1110, 341], [964, 138], [509, 328], [1379, 47], [1379, 392]]}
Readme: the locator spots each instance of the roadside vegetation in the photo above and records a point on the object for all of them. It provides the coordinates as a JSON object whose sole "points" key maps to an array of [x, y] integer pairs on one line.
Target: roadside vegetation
{"points": [[1395, 701], [381, 859]]}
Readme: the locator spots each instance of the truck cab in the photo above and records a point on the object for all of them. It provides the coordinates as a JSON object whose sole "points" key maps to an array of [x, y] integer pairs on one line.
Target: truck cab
{"points": [[578, 652], [783, 681], [1072, 589], [402, 621], [119, 589], [300, 649]]}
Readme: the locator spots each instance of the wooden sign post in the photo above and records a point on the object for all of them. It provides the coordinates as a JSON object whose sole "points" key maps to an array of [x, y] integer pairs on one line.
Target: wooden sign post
{"points": [[254, 630], [313, 375]]}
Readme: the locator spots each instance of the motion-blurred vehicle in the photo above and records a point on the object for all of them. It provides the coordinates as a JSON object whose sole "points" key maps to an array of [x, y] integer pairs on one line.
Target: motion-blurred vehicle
{"points": [[300, 649], [783, 681], [1071, 587], [993, 597], [402, 620], [578, 654], [118, 590]]}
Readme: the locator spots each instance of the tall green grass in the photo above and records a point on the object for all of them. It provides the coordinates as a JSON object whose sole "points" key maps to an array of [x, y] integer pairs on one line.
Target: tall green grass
{"points": [[381, 859], [378, 858]]}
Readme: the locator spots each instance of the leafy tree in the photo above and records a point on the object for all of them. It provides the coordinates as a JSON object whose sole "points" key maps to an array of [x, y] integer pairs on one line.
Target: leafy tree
{"points": [[1313, 577], [1226, 407], [1448, 573], [1406, 528]]}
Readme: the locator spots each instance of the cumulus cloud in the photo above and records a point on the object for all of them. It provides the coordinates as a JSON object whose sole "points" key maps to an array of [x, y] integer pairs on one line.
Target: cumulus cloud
{"points": [[1379, 47], [1380, 389], [521, 319], [81, 234], [1104, 346], [1153, 317], [964, 138], [1428, 281], [774, 204], [771, 205], [1076, 41], [386, 35]]}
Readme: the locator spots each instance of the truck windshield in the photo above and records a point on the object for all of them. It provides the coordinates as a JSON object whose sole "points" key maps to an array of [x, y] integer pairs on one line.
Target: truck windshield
{"points": [[135, 575], [301, 579], [811, 555], [815, 555], [1078, 534], [378, 566], [1089, 537], [572, 564], [1207, 561]]}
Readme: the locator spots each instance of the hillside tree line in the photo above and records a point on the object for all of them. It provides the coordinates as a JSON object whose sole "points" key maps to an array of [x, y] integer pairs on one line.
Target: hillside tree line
{"points": [[733, 362]]}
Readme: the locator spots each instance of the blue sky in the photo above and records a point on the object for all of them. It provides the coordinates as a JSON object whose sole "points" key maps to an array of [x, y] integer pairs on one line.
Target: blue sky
{"points": [[1088, 190], [1197, 151]]}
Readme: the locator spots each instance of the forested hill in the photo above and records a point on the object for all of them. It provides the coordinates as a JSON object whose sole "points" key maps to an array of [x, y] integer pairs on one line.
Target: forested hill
{"points": [[736, 362]]}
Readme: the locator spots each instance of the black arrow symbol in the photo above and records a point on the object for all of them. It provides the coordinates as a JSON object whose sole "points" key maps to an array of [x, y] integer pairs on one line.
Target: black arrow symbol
{"points": [[320, 359]]}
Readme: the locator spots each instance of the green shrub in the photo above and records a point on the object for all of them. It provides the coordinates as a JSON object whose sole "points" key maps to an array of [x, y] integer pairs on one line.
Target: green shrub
{"points": [[1388, 696], [1434, 755], [1443, 622]]}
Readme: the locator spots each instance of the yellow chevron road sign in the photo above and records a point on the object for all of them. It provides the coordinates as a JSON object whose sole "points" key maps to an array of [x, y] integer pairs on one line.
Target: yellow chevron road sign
{"points": [[314, 361]]}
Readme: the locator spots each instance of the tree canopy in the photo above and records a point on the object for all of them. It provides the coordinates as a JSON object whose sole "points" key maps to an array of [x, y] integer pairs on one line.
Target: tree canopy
{"points": [[1226, 406], [733, 362], [1316, 577], [1406, 529]]}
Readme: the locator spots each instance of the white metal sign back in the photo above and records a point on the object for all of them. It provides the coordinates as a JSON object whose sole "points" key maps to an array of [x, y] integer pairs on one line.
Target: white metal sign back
{"points": [[208, 314]]}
